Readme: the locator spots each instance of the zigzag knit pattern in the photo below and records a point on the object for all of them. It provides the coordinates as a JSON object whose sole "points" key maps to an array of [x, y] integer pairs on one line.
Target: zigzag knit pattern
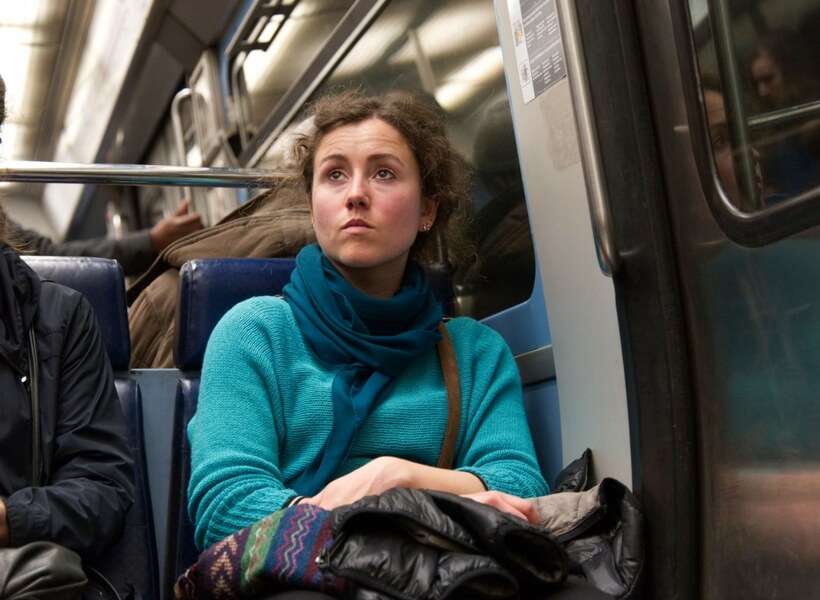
{"points": [[274, 554]]}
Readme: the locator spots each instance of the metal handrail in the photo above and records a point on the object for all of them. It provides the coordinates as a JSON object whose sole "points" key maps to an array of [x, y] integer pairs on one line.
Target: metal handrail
{"points": [[735, 111], [801, 112], [602, 228], [118, 174]]}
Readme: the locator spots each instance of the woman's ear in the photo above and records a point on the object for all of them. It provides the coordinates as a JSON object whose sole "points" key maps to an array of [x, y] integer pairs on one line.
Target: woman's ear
{"points": [[429, 208]]}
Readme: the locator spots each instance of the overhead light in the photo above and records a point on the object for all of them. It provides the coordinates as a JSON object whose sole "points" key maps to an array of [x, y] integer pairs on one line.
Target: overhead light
{"points": [[451, 29], [475, 74]]}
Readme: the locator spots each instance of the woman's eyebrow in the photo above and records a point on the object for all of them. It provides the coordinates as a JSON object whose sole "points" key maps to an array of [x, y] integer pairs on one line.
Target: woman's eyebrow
{"points": [[384, 156], [336, 156], [332, 157]]}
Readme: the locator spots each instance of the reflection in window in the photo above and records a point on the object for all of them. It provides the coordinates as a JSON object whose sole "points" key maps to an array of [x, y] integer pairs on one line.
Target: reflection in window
{"points": [[782, 75], [754, 311], [775, 49], [451, 51]]}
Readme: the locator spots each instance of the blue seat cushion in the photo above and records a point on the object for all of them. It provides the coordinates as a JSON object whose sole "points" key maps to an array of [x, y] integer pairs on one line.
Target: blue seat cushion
{"points": [[208, 288], [102, 282], [180, 550], [131, 566]]}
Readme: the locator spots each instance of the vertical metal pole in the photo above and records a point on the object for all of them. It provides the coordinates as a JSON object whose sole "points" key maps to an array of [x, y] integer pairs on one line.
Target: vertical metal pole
{"points": [[735, 114]]}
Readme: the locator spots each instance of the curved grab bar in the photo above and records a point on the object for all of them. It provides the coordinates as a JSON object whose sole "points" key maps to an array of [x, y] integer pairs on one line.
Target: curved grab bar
{"points": [[56, 172], [602, 229], [179, 135]]}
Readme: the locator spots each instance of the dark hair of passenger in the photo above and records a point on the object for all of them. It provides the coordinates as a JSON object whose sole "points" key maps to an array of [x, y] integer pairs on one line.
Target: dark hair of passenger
{"points": [[792, 55], [444, 177]]}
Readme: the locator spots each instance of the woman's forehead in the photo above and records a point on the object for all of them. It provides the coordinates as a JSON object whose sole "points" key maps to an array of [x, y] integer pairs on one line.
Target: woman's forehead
{"points": [[371, 135]]}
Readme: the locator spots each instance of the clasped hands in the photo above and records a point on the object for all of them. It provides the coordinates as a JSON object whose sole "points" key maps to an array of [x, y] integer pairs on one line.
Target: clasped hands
{"points": [[388, 472]]}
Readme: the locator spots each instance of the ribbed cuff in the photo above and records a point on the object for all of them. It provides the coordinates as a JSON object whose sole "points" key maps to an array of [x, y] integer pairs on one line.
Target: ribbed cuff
{"points": [[294, 501]]}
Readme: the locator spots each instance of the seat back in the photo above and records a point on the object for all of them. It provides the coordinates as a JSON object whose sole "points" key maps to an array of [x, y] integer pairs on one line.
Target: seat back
{"points": [[131, 566], [208, 288], [102, 282]]}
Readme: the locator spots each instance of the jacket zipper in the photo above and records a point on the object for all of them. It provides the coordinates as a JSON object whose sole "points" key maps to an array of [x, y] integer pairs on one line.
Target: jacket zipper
{"points": [[35, 409]]}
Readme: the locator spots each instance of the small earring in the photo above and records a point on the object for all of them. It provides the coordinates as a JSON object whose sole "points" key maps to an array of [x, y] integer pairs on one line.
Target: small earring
{"points": [[425, 228]]}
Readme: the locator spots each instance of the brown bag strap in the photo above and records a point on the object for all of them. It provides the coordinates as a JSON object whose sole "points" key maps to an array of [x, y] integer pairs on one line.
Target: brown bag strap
{"points": [[451, 380]]}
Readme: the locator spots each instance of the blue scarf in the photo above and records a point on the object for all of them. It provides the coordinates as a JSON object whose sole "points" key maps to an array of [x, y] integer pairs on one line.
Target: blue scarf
{"points": [[371, 340]]}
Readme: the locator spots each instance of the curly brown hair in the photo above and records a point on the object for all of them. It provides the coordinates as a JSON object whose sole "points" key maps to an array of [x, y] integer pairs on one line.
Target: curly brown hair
{"points": [[444, 176]]}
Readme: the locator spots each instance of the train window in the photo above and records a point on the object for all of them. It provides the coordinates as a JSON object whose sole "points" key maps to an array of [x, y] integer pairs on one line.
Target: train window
{"points": [[271, 50], [761, 94], [451, 51], [753, 312]]}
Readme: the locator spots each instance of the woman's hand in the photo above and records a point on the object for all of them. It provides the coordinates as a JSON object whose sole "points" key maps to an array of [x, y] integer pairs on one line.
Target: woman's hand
{"points": [[378, 475], [519, 507], [388, 472]]}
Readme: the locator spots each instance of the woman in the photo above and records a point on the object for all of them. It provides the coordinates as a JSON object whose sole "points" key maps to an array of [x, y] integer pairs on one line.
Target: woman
{"points": [[335, 391]]}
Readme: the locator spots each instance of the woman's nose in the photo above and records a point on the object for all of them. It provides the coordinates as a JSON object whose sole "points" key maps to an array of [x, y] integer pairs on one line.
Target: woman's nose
{"points": [[358, 194]]}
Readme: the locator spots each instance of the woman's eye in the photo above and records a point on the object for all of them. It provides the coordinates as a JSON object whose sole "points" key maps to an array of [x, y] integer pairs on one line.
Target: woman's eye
{"points": [[719, 142], [334, 175], [384, 174]]}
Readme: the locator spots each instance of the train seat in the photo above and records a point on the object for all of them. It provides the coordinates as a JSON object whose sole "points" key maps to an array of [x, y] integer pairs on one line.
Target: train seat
{"points": [[208, 288], [102, 282], [131, 566]]}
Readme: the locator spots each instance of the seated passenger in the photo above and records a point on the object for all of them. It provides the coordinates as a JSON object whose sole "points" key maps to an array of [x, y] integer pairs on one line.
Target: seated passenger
{"points": [[274, 224], [335, 392], [505, 273], [66, 477]]}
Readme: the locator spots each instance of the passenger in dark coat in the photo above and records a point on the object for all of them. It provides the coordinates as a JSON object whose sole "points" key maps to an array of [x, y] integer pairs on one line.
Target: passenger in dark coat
{"points": [[85, 484]]}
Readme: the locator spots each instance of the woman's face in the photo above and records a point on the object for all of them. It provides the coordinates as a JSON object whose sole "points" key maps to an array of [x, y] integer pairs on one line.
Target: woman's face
{"points": [[768, 80], [719, 130], [366, 205]]}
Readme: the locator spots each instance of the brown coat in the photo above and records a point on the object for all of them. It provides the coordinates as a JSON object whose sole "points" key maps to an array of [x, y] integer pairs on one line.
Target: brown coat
{"points": [[276, 224]]}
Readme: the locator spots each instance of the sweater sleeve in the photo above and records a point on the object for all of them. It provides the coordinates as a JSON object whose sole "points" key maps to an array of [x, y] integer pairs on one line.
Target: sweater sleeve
{"points": [[496, 444], [238, 428], [90, 489]]}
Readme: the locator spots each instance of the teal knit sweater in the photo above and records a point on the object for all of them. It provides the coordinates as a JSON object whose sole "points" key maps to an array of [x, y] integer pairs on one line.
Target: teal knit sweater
{"points": [[265, 410]]}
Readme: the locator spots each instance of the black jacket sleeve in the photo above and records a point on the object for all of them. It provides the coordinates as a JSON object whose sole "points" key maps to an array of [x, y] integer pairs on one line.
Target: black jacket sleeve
{"points": [[133, 250], [89, 466]]}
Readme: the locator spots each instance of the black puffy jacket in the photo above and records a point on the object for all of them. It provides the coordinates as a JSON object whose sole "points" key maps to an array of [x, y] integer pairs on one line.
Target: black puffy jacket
{"points": [[86, 480], [417, 544]]}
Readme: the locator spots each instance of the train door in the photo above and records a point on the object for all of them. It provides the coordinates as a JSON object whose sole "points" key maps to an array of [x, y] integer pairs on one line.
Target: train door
{"points": [[745, 239], [702, 189]]}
